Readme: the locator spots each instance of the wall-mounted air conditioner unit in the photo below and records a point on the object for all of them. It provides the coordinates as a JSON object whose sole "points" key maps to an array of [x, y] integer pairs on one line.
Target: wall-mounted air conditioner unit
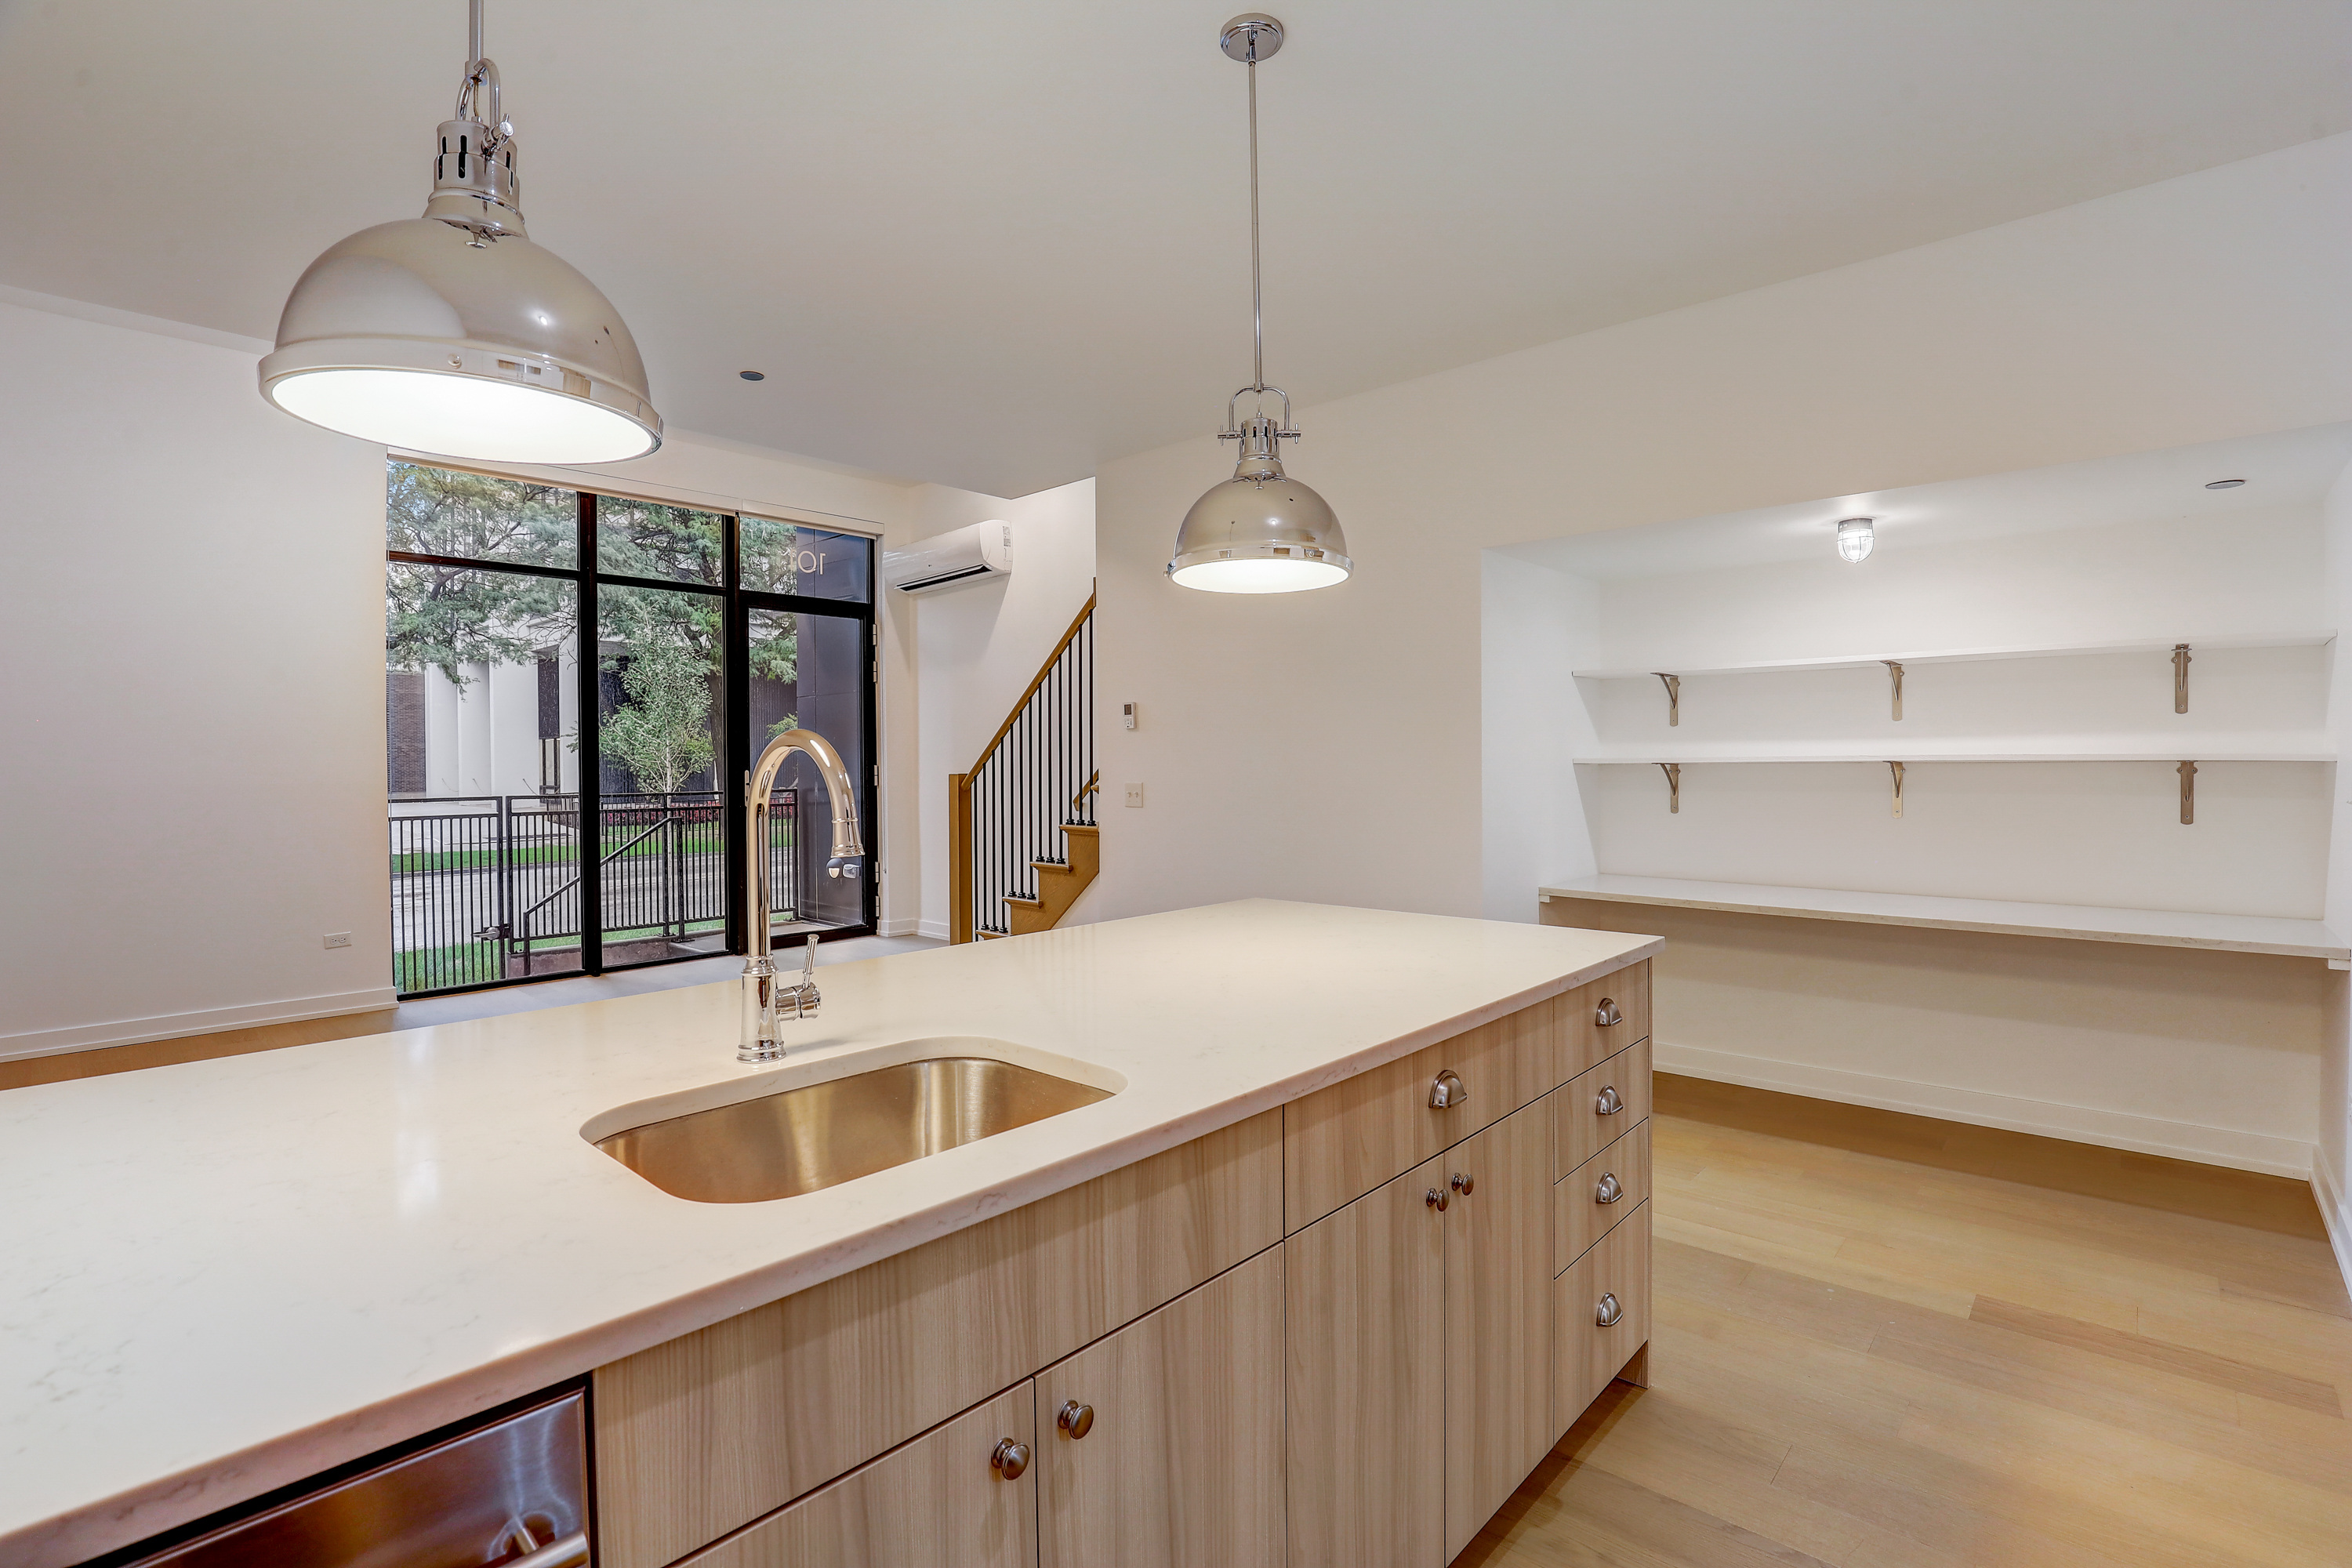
{"points": [[978, 554]]}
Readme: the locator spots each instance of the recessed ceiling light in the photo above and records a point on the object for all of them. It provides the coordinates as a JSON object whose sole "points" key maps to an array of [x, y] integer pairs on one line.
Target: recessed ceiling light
{"points": [[2223, 484], [752, 374]]}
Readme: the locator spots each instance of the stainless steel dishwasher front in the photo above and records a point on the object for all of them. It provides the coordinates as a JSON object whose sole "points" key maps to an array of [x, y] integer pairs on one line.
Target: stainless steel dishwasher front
{"points": [[513, 1492]]}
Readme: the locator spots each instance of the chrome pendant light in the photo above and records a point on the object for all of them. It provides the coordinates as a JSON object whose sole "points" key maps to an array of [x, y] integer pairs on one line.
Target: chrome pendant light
{"points": [[1260, 532], [453, 334]]}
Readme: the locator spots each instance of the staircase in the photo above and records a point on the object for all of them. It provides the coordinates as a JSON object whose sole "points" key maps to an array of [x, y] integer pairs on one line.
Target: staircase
{"points": [[1022, 839]]}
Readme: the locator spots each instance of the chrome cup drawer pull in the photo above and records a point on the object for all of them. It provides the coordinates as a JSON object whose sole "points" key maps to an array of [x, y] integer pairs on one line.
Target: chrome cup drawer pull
{"points": [[1609, 1190], [1010, 1459], [1446, 1092], [1607, 1014], [1606, 1314], [1608, 1103]]}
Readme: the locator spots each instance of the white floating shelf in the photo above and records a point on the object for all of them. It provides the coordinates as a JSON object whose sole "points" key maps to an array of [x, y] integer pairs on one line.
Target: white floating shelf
{"points": [[1967, 654], [2301, 746], [2072, 923]]}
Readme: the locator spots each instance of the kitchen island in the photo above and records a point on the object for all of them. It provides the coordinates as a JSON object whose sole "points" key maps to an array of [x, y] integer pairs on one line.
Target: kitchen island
{"points": [[225, 1276]]}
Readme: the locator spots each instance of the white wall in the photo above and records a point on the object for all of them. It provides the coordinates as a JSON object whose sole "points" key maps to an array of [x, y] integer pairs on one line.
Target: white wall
{"points": [[191, 622], [2332, 1163], [1537, 623], [193, 618], [1285, 735], [981, 644]]}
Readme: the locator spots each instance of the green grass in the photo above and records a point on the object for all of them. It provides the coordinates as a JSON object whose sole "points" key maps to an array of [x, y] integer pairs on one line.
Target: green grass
{"points": [[477, 962]]}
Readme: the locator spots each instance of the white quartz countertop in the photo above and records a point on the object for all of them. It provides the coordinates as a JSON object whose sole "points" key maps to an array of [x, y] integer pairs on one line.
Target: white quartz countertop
{"points": [[221, 1277]]}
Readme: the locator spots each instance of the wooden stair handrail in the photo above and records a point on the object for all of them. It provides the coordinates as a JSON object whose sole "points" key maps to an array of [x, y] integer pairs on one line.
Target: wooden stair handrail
{"points": [[1031, 689]]}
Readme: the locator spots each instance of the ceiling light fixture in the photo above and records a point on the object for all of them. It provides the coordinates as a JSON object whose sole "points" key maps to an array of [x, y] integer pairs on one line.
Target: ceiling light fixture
{"points": [[453, 334], [1855, 536], [2223, 484], [1260, 532], [752, 374]]}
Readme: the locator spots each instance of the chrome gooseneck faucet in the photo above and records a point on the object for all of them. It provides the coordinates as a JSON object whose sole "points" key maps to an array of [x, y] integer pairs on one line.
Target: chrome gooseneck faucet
{"points": [[766, 1004]]}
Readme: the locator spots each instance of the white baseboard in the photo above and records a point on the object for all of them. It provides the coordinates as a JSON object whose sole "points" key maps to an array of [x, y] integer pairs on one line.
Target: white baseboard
{"points": [[2333, 1211], [2078, 1123], [901, 926], [177, 1025], [936, 929]]}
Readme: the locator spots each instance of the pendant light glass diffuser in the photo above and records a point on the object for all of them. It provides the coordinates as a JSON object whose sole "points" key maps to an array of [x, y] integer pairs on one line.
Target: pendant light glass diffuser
{"points": [[453, 334], [1260, 532]]}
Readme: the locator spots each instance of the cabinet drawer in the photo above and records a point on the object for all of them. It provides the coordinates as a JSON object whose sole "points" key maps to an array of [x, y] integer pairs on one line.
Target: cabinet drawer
{"points": [[1590, 1353], [1580, 1129], [705, 1433], [1579, 1217], [941, 1502], [1342, 1142], [1585, 1039]]}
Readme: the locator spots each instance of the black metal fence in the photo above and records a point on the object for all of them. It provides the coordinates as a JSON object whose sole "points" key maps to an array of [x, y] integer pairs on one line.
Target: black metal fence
{"points": [[1038, 777], [487, 888]]}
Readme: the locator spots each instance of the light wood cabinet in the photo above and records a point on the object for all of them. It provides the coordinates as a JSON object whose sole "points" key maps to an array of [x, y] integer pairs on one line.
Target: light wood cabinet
{"points": [[1585, 1038], [705, 1433], [1342, 1142], [1580, 1127], [1181, 1462], [1338, 1334], [1615, 1271], [1366, 1293], [1498, 1339], [1582, 1203], [940, 1502]]}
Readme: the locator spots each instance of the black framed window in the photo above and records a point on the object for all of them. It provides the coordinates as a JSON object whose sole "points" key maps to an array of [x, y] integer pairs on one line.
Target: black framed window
{"points": [[576, 685]]}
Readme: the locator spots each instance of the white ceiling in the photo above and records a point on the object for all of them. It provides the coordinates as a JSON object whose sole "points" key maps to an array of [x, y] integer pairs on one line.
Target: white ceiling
{"points": [[998, 245], [2290, 469]]}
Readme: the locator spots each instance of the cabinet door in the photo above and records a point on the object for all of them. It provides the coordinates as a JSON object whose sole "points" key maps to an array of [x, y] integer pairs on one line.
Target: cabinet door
{"points": [[1499, 1340], [1366, 1288], [944, 1501], [1180, 1460]]}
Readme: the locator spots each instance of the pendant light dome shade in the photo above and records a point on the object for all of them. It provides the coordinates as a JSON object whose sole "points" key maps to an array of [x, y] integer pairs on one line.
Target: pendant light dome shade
{"points": [[417, 335], [1260, 532], [453, 334]]}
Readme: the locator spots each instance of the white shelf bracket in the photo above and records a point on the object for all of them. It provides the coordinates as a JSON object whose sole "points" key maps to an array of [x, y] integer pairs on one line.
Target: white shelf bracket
{"points": [[1896, 770], [2188, 794], [1673, 772], [1895, 675], [1673, 696], [2180, 677]]}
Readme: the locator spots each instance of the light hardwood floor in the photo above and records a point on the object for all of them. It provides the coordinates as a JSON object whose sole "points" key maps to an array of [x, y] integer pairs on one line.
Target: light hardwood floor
{"points": [[1884, 1340]]}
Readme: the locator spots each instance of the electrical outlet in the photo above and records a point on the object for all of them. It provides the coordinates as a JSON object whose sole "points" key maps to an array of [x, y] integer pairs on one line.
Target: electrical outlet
{"points": [[338, 939], [1135, 794]]}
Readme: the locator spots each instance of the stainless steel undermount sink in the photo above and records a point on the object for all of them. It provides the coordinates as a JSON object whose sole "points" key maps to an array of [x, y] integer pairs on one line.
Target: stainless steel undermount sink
{"points": [[822, 1134]]}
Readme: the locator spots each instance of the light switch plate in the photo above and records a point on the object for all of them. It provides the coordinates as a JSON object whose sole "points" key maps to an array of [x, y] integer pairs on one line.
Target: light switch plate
{"points": [[338, 939], [1135, 794]]}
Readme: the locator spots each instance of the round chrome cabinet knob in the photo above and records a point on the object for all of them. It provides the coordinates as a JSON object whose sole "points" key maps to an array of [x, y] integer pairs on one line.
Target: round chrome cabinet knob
{"points": [[1607, 1313], [1446, 1092], [1010, 1459], [1463, 1183], [1076, 1419], [1608, 1102], [1437, 1199]]}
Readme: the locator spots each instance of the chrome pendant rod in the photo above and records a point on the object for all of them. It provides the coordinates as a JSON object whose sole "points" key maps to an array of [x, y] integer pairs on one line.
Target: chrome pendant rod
{"points": [[1257, 294], [473, 33]]}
